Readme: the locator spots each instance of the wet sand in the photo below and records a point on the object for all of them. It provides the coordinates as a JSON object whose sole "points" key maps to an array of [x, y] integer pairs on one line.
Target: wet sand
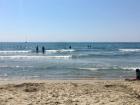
{"points": [[70, 92]]}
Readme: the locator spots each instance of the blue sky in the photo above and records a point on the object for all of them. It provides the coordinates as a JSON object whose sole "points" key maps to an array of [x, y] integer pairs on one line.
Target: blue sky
{"points": [[70, 20]]}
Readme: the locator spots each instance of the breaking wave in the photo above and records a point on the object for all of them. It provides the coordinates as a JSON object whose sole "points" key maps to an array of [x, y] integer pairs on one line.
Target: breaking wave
{"points": [[16, 51], [31, 57], [129, 50], [60, 51]]}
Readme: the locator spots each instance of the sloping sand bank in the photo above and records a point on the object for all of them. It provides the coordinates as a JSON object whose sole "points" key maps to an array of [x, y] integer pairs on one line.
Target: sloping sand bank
{"points": [[74, 92]]}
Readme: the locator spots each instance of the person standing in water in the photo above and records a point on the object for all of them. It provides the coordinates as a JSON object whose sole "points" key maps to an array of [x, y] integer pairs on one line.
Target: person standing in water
{"points": [[69, 47], [37, 49], [43, 50]]}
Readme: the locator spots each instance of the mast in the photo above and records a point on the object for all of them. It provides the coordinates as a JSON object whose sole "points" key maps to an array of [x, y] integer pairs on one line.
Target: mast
{"points": [[26, 41]]}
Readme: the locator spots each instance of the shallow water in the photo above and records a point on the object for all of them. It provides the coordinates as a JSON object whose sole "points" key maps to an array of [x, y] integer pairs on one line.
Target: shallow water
{"points": [[83, 60]]}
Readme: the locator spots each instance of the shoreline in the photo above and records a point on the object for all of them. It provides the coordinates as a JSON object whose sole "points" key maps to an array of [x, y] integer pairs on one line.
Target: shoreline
{"points": [[75, 80]]}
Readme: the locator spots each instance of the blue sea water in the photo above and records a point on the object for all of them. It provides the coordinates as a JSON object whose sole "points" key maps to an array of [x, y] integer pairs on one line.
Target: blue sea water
{"points": [[83, 60]]}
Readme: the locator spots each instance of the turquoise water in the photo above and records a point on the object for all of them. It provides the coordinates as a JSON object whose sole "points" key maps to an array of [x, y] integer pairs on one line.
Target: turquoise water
{"points": [[83, 60]]}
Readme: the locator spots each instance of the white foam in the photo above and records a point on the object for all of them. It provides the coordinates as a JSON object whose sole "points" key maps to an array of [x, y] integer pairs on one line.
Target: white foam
{"points": [[69, 56], [51, 51], [67, 50], [17, 66], [33, 57], [60, 51], [130, 68], [4, 75], [91, 69], [16, 51], [129, 50]]}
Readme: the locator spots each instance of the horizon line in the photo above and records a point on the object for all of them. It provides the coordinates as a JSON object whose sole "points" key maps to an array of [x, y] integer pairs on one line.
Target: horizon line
{"points": [[69, 42]]}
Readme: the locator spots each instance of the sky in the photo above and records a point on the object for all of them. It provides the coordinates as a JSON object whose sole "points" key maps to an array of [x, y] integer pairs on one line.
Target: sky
{"points": [[70, 20]]}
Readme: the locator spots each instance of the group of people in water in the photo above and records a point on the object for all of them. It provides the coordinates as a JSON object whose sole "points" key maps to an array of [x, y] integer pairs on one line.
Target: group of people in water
{"points": [[137, 70], [43, 49], [89, 46]]}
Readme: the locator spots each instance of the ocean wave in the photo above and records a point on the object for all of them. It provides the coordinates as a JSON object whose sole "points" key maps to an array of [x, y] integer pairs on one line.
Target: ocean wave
{"points": [[67, 56], [31, 57], [17, 66], [91, 69], [98, 55], [110, 68], [129, 50], [130, 68], [60, 51], [105, 54], [4, 75], [16, 51]]}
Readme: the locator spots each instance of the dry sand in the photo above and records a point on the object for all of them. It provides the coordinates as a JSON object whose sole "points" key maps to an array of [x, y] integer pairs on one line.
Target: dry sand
{"points": [[70, 92]]}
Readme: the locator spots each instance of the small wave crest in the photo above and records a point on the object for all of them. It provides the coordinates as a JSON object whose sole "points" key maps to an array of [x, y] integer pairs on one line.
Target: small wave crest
{"points": [[31, 57], [17, 66], [96, 55], [129, 50], [130, 68], [60, 51], [91, 69], [111, 68], [16, 51]]}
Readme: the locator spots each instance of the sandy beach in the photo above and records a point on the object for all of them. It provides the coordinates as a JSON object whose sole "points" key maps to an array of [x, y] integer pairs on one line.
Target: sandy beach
{"points": [[70, 92]]}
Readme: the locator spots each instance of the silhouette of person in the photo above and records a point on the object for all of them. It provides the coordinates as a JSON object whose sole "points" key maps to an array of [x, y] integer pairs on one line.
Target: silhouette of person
{"points": [[69, 47], [43, 50], [90, 46], [138, 74], [37, 49]]}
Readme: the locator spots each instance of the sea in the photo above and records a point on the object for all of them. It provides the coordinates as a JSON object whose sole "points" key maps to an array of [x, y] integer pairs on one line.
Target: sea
{"points": [[68, 60]]}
